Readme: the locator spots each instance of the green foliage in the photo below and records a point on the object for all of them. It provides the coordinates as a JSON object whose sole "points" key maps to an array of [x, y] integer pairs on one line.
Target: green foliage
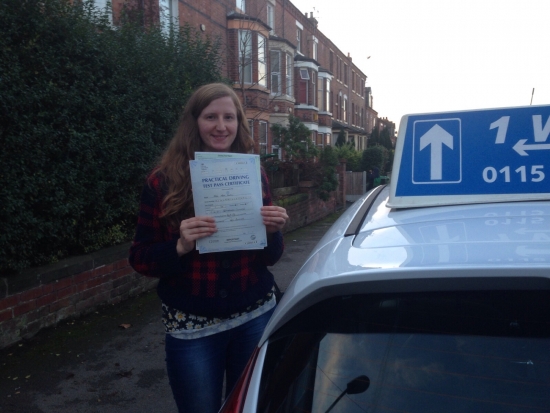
{"points": [[385, 139], [85, 110], [341, 139], [374, 138], [376, 156], [295, 140], [381, 138], [351, 155], [327, 180]]}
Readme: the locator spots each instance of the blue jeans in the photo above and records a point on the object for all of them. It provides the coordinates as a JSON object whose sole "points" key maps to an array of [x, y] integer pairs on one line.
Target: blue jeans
{"points": [[196, 367]]}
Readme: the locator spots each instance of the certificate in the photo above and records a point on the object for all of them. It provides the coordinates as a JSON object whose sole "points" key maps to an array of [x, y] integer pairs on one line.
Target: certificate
{"points": [[227, 189], [228, 155]]}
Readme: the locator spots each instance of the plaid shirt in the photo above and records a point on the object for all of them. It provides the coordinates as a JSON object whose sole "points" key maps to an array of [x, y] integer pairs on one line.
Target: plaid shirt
{"points": [[214, 284]]}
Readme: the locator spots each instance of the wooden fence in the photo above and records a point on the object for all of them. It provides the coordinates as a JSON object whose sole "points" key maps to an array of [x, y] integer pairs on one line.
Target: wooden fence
{"points": [[356, 185]]}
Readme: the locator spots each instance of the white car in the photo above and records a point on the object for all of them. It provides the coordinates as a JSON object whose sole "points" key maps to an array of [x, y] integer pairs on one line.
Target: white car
{"points": [[431, 294]]}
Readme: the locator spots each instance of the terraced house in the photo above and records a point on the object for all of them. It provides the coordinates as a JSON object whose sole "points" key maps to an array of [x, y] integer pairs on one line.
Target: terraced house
{"points": [[280, 64]]}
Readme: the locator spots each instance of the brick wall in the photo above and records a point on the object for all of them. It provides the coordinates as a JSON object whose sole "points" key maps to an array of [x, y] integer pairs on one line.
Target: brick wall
{"points": [[42, 297], [309, 210]]}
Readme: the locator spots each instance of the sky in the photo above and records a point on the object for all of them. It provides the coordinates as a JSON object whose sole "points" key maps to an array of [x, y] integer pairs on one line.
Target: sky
{"points": [[440, 55]]}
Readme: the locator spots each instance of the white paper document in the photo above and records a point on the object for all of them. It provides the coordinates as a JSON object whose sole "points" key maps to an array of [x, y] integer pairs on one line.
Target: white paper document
{"points": [[226, 188]]}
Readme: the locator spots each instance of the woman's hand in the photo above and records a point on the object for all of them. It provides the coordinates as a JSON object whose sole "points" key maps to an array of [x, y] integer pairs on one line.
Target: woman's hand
{"points": [[193, 229], [275, 218]]}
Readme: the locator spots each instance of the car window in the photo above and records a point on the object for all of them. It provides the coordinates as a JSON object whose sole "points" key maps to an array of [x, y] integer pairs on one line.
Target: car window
{"points": [[417, 352]]}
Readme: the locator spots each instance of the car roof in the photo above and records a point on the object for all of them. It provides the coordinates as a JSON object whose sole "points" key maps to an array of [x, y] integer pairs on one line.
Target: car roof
{"points": [[467, 208], [375, 248]]}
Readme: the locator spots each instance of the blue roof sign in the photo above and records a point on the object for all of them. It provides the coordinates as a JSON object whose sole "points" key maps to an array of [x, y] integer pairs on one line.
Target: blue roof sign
{"points": [[477, 156]]}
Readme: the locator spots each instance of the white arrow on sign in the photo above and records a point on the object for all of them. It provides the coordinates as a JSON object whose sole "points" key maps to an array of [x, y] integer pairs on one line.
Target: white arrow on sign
{"points": [[520, 147], [436, 137]]}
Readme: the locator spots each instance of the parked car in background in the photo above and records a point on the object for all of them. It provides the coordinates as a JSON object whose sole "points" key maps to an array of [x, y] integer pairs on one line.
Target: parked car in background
{"points": [[431, 294]]}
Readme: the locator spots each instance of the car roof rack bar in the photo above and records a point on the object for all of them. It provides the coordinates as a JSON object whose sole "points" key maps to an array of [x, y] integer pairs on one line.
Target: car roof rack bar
{"points": [[357, 221]]}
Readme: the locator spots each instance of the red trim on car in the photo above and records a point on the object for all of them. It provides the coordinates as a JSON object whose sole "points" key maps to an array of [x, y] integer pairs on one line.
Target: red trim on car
{"points": [[234, 403]]}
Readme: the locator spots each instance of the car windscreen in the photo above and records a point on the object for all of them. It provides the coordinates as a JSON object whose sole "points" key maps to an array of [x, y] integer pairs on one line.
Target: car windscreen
{"points": [[466, 351]]}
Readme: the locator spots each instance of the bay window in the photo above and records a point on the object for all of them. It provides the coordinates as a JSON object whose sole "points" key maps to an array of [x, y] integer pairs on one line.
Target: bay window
{"points": [[262, 64], [245, 56], [289, 70], [275, 56], [263, 137]]}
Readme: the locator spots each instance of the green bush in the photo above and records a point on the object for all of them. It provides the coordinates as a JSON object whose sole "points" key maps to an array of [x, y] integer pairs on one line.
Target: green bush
{"points": [[85, 110], [377, 156], [351, 155], [328, 181]]}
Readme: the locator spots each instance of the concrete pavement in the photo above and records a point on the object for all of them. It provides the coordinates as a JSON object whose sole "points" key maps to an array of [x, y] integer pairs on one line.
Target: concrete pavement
{"points": [[112, 361]]}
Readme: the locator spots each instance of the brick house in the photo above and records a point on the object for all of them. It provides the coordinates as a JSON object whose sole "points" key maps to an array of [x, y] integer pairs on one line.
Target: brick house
{"points": [[280, 64]]}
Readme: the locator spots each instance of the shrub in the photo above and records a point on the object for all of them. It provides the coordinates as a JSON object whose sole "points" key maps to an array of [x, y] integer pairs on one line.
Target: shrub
{"points": [[85, 110], [328, 181], [352, 157], [376, 156]]}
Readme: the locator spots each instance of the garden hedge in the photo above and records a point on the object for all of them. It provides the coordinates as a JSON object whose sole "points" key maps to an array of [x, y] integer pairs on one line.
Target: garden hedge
{"points": [[85, 110]]}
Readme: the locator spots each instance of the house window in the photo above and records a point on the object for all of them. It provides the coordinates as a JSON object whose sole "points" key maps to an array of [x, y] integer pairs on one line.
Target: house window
{"points": [[345, 109], [352, 80], [299, 39], [251, 127], [314, 50], [270, 19], [276, 149], [263, 137], [262, 64], [289, 70], [106, 7], [241, 4], [303, 87], [275, 71], [167, 14], [345, 74], [331, 64], [320, 140], [327, 139], [320, 94], [245, 56], [313, 80], [327, 93]]}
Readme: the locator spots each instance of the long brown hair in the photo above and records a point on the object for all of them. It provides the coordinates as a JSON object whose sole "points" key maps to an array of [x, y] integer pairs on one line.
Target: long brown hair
{"points": [[174, 164]]}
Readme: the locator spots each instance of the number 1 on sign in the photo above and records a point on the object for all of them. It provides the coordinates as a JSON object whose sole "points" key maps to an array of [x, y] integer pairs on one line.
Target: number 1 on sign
{"points": [[502, 125]]}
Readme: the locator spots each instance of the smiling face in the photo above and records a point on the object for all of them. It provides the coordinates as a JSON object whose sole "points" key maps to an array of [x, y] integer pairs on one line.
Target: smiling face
{"points": [[218, 125]]}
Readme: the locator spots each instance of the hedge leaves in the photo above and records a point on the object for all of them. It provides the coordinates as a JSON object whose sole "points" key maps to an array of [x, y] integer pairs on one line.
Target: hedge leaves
{"points": [[85, 110]]}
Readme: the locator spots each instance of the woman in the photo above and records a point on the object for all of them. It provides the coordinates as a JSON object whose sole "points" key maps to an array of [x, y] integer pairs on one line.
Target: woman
{"points": [[215, 306]]}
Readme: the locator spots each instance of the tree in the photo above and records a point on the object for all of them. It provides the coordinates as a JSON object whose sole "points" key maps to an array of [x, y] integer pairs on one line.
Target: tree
{"points": [[374, 138], [375, 157], [327, 179], [351, 155], [341, 140], [294, 140], [385, 139]]}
